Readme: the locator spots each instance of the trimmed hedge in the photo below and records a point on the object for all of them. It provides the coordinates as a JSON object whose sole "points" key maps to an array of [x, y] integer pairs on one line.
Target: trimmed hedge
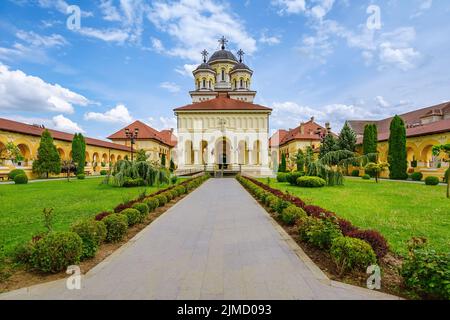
{"points": [[417, 176], [116, 225], [431, 181], [293, 177], [319, 232], [311, 182], [282, 176], [103, 172], [133, 216], [355, 173], [92, 233], [21, 179], [292, 214], [366, 177], [56, 251], [152, 203], [351, 253], [81, 176], [13, 173]]}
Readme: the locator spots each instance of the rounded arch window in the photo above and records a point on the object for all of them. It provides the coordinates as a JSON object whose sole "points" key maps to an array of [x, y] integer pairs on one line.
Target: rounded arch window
{"points": [[223, 74]]}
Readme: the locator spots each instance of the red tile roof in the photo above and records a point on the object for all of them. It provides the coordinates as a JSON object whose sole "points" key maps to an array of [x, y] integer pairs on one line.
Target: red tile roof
{"points": [[305, 131], [412, 120], [146, 132], [223, 103], [19, 127]]}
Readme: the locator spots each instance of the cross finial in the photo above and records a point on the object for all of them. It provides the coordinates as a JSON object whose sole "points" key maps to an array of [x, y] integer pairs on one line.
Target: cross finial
{"points": [[205, 55], [223, 42], [241, 54]]}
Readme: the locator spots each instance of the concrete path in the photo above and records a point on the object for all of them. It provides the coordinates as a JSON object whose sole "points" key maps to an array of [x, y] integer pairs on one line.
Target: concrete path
{"points": [[218, 243]]}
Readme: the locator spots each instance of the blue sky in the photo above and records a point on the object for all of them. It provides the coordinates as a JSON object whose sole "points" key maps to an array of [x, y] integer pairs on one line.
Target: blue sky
{"points": [[132, 59]]}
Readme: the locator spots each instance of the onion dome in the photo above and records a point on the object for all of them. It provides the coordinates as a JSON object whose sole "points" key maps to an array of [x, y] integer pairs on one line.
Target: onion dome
{"points": [[222, 55], [204, 66], [241, 66]]}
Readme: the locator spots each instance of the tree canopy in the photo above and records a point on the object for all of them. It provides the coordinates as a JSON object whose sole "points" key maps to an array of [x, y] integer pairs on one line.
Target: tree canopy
{"points": [[397, 156], [48, 159]]}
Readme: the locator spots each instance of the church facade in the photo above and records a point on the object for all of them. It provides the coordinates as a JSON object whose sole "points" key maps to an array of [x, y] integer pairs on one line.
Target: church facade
{"points": [[222, 129]]}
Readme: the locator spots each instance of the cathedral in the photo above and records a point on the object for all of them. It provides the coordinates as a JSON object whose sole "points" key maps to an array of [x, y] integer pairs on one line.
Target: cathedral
{"points": [[223, 129]]}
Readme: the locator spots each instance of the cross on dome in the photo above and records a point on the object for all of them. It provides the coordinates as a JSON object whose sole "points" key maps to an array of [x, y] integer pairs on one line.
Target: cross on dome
{"points": [[223, 42], [205, 55], [241, 54]]}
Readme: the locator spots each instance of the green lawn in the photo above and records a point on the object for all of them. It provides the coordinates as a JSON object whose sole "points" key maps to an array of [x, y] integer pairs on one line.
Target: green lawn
{"points": [[398, 210], [21, 205]]}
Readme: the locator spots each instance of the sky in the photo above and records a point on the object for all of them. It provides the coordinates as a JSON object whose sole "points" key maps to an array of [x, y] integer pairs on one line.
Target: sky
{"points": [[128, 60]]}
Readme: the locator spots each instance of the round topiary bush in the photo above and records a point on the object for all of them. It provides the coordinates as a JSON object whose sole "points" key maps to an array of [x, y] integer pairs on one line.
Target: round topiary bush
{"points": [[103, 172], [431, 181], [319, 232], [21, 179], [291, 214], [57, 251], [366, 177], [92, 233], [311, 182], [116, 226], [133, 216], [293, 177], [13, 173], [152, 203], [417, 176], [143, 210], [162, 199], [351, 253], [282, 177], [168, 195], [81, 176]]}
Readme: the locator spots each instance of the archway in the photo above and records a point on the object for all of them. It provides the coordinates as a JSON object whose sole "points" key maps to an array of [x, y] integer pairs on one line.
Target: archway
{"points": [[88, 159], [410, 155], [204, 152], [427, 155], [189, 152], [119, 158], [26, 153], [257, 152], [2, 152], [243, 152], [223, 152], [113, 159], [104, 160]]}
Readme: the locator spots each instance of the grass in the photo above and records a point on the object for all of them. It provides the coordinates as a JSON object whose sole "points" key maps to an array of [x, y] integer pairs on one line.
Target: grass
{"points": [[398, 210], [21, 205]]}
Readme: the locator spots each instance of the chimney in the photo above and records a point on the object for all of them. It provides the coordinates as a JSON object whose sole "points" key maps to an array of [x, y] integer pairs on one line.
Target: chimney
{"points": [[302, 128], [312, 119], [328, 126]]}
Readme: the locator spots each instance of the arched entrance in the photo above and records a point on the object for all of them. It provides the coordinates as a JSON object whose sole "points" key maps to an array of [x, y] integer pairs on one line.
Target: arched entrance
{"points": [[204, 152], [223, 153]]}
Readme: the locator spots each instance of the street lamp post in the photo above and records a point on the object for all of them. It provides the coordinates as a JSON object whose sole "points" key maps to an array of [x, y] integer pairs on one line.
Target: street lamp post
{"points": [[132, 136]]}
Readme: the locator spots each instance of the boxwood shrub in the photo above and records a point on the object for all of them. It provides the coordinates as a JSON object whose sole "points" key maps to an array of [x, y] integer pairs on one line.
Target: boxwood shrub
{"points": [[133, 216], [56, 251], [319, 232], [431, 181], [21, 179], [13, 173], [311, 182], [293, 177], [116, 226], [291, 214], [282, 177], [374, 238], [427, 272], [417, 176], [355, 173], [103, 172], [92, 233], [366, 177], [351, 253], [162, 200], [152, 203], [143, 210], [81, 176]]}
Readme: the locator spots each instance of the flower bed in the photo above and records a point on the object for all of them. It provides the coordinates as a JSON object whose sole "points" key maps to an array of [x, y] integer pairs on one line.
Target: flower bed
{"points": [[86, 237]]}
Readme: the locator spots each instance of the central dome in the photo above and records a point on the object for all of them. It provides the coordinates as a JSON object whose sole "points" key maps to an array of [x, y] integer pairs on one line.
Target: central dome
{"points": [[222, 55]]}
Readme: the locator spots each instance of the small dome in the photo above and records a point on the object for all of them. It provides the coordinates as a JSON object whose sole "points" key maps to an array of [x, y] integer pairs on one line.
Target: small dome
{"points": [[222, 55], [204, 66], [241, 66]]}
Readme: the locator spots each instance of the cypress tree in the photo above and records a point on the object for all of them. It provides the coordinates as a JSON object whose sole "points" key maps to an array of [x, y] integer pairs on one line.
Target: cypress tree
{"points": [[370, 139], [329, 144], [163, 160], [282, 167], [48, 159], [347, 139], [79, 152], [397, 150], [172, 166]]}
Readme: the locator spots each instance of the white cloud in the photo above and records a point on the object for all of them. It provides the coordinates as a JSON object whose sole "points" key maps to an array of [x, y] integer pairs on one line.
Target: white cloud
{"points": [[108, 35], [269, 40], [424, 6], [186, 70], [119, 114], [197, 24], [20, 91], [34, 39], [61, 6], [170, 86], [381, 102], [320, 10], [109, 11], [162, 123], [290, 6], [157, 45], [62, 123]]}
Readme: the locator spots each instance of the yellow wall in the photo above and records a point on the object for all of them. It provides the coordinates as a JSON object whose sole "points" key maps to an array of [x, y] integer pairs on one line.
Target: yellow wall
{"points": [[420, 149], [290, 149], [153, 149], [29, 145]]}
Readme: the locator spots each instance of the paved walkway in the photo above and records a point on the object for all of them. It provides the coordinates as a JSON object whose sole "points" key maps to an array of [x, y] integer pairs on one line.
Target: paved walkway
{"points": [[218, 243]]}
